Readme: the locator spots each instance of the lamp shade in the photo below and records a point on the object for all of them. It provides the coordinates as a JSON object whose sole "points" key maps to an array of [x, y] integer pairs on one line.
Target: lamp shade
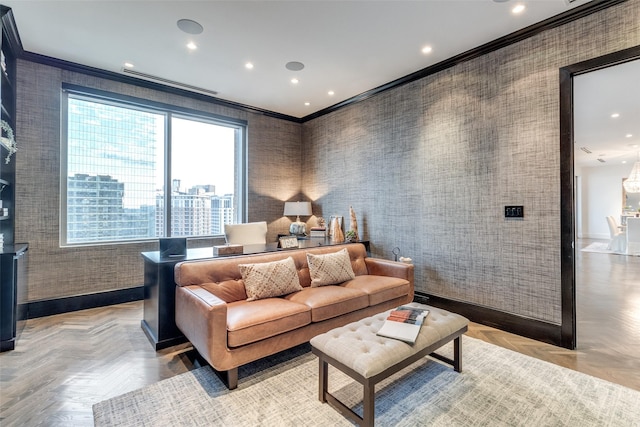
{"points": [[297, 208], [632, 184]]}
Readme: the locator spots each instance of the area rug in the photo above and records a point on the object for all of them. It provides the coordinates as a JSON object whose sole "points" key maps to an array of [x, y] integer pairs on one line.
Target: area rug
{"points": [[603, 248], [497, 387]]}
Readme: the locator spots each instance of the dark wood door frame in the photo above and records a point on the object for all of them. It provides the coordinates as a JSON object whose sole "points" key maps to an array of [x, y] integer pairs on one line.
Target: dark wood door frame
{"points": [[567, 196]]}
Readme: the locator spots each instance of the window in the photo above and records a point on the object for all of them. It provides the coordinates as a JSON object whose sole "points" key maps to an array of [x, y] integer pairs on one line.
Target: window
{"points": [[123, 159]]}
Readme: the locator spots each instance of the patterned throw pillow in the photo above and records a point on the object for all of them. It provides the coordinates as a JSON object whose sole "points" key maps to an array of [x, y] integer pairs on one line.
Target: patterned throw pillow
{"points": [[330, 269], [270, 279]]}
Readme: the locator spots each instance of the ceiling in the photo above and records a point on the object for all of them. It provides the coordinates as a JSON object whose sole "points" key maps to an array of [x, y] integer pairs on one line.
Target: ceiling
{"points": [[347, 47], [598, 95]]}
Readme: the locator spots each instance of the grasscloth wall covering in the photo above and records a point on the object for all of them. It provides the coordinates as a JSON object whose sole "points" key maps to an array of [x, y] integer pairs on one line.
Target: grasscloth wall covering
{"points": [[54, 272], [429, 167]]}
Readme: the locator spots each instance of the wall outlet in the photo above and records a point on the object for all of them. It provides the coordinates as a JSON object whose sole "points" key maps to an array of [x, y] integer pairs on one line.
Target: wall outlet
{"points": [[514, 211]]}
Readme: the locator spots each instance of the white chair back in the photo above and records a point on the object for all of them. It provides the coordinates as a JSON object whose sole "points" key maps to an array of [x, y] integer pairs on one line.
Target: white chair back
{"points": [[251, 233], [613, 227], [618, 243]]}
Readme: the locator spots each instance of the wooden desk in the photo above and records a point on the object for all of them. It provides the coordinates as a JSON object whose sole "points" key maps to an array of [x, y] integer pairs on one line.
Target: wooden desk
{"points": [[159, 314]]}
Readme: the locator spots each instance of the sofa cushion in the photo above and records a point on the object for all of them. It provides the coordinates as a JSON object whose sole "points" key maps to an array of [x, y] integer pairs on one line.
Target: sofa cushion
{"points": [[253, 321], [327, 302], [270, 279], [380, 288], [330, 269]]}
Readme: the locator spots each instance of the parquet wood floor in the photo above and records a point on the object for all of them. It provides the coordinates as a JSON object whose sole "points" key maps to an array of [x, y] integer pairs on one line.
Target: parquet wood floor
{"points": [[64, 364]]}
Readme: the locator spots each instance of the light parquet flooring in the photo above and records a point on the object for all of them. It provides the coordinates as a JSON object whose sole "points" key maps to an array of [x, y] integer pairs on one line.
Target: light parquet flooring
{"points": [[64, 364]]}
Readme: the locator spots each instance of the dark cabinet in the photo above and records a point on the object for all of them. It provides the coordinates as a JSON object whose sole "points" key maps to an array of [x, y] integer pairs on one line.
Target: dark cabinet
{"points": [[13, 294], [13, 256], [8, 126]]}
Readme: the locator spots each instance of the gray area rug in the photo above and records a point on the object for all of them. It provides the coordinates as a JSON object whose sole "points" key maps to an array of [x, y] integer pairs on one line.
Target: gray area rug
{"points": [[497, 387], [603, 248]]}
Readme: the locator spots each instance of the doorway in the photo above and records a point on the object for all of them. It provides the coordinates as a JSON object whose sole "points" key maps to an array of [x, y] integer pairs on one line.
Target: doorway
{"points": [[567, 183]]}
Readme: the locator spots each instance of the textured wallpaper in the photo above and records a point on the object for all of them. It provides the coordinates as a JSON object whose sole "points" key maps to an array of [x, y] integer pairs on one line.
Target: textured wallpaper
{"points": [[274, 176], [429, 166]]}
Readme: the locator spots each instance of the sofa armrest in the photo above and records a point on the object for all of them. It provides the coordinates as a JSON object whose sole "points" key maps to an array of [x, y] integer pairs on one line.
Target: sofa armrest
{"points": [[202, 318], [385, 267]]}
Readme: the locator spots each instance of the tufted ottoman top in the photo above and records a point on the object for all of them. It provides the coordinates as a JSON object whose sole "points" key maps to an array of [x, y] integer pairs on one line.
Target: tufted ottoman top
{"points": [[357, 346]]}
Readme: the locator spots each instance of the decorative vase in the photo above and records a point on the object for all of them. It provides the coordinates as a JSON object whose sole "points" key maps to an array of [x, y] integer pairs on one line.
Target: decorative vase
{"points": [[353, 223], [336, 231]]}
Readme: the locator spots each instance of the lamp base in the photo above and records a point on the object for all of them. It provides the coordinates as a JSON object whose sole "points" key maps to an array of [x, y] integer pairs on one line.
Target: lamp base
{"points": [[298, 228]]}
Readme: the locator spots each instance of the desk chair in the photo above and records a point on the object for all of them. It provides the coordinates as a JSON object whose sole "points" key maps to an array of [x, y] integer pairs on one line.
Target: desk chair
{"points": [[618, 242], [250, 233]]}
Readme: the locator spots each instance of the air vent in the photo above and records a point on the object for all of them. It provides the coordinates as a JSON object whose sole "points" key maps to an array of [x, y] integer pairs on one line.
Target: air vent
{"points": [[586, 150], [168, 82], [602, 160]]}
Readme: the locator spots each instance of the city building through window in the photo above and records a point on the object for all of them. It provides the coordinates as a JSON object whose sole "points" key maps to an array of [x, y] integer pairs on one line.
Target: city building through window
{"points": [[136, 171]]}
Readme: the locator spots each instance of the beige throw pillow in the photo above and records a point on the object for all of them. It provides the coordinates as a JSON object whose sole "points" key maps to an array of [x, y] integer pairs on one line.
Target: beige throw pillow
{"points": [[330, 269], [270, 279]]}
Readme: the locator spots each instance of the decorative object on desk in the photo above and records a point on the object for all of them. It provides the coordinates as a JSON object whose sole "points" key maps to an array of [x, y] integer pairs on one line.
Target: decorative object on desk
{"points": [[8, 141], [632, 183], [297, 209], [335, 232], [353, 222], [287, 242], [396, 252], [224, 250], [351, 236], [322, 223], [173, 247], [320, 232]]}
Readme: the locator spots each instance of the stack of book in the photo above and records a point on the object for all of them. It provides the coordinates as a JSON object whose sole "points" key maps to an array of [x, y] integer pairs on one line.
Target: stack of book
{"points": [[318, 232], [403, 323]]}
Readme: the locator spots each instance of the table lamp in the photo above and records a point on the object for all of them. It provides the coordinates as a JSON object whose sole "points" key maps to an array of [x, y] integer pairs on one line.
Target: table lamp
{"points": [[296, 209]]}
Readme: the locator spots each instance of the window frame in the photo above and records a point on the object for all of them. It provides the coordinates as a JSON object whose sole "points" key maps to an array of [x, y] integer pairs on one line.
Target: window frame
{"points": [[168, 111]]}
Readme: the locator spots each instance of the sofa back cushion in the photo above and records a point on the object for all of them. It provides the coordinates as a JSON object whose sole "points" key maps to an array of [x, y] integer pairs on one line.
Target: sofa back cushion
{"points": [[270, 279], [222, 277], [330, 269]]}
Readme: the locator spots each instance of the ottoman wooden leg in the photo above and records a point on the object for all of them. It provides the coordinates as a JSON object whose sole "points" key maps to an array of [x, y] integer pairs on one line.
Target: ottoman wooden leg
{"points": [[368, 403], [457, 354], [323, 376]]}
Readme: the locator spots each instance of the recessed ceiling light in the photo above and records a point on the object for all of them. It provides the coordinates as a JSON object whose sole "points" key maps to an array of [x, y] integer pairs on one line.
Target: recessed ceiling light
{"points": [[294, 66], [615, 115], [518, 9], [248, 66], [628, 135], [192, 46], [295, 81], [307, 103], [427, 49], [128, 64], [331, 93], [624, 161], [189, 26]]}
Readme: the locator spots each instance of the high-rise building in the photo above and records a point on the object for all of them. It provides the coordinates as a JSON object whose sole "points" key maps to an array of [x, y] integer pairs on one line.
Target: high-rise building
{"points": [[95, 211]]}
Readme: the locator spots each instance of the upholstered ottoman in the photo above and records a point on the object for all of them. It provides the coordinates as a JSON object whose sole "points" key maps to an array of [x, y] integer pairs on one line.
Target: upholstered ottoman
{"points": [[356, 350]]}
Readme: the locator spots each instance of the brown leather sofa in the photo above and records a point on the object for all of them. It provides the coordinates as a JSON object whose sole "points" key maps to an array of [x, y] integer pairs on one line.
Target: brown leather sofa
{"points": [[228, 331]]}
